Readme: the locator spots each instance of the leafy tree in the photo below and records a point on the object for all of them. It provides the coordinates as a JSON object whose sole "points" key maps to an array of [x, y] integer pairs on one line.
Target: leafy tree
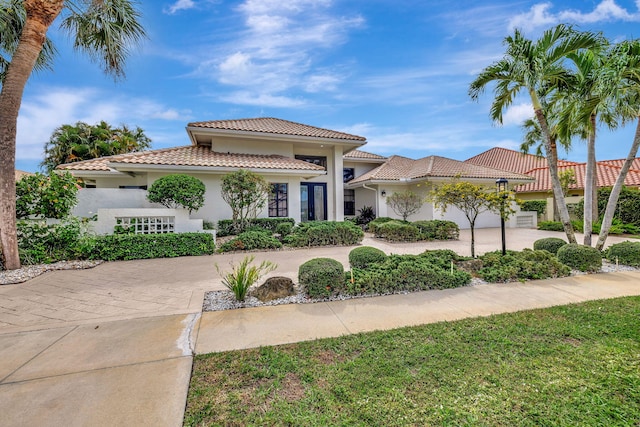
{"points": [[405, 204], [46, 196], [540, 69], [178, 191], [73, 143], [472, 200], [247, 194], [104, 29]]}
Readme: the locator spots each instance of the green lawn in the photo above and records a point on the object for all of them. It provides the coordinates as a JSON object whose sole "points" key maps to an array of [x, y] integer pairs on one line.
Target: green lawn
{"points": [[564, 366]]}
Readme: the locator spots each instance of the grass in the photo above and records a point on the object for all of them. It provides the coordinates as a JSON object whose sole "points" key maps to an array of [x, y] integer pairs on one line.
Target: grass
{"points": [[562, 366]]}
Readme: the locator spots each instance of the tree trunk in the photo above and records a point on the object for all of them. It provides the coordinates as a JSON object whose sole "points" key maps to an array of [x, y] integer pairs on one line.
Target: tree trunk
{"points": [[552, 160], [588, 182], [615, 191], [40, 15], [473, 238]]}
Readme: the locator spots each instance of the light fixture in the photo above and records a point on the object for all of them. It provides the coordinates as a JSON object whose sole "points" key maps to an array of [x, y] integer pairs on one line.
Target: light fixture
{"points": [[501, 188], [383, 193]]}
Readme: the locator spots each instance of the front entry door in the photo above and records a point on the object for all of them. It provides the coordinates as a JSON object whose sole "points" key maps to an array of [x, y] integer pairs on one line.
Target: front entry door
{"points": [[313, 201]]}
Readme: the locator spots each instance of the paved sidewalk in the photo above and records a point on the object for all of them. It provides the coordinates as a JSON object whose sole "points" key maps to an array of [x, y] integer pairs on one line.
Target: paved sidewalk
{"points": [[114, 345]]}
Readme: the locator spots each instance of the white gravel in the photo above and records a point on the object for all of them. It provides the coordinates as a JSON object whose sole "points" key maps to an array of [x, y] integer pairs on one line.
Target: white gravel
{"points": [[10, 277]]}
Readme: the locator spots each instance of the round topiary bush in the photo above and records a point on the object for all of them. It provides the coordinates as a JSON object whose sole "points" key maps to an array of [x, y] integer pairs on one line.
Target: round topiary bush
{"points": [[178, 191], [627, 253], [550, 244], [321, 277], [364, 256], [580, 257]]}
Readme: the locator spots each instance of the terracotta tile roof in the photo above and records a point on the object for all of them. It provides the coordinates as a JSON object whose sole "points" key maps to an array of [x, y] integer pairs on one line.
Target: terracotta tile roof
{"points": [[607, 175], [511, 160], [275, 126], [193, 156], [619, 162], [362, 155], [398, 168], [20, 174]]}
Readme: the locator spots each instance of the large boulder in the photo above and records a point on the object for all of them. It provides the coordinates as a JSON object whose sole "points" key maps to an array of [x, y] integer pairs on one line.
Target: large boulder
{"points": [[274, 288]]}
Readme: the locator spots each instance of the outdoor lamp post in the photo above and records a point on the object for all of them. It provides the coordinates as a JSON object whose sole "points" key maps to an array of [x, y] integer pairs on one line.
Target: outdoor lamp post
{"points": [[501, 188]]}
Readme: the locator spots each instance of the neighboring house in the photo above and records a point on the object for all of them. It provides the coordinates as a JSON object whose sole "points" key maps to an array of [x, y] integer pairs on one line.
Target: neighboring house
{"points": [[20, 174], [398, 174], [304, 164]]}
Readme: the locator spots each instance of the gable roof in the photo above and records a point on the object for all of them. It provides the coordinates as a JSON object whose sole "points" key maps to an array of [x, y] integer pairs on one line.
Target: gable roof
{"points": [[363, 155], [271, 125], [192, 156], [619, 162], [402, 169], [511, 160], [606, 175]]}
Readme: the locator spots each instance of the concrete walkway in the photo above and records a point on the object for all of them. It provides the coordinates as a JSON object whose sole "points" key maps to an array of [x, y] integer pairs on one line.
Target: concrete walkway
{"points": [[113, 345]]}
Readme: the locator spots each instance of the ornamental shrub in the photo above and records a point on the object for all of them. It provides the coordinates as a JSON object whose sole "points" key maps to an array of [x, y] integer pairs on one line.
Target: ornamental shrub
{"points": [[178, 191], [244, 275], [143, 246], [284, 229], [365, 215], [373, 224], [251, 240], [323, 233], [627, 253], [437, 229], [364, 256], [321, 277], [539, 206], [398, 231], [550, 244], [526, 265], [39, 243], [580, 257], [46, 196], [550, 226], [225, 226]]}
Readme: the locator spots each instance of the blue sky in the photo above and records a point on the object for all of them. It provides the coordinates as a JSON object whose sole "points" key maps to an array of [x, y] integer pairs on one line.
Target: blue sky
{"points": [[394, 71]]}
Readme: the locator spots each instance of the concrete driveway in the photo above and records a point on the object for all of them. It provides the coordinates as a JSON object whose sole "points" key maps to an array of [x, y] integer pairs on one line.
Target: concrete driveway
{"points": [[113, 345]]}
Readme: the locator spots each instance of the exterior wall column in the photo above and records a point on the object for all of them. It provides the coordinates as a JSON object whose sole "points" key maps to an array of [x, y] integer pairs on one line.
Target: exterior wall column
{"points": [[338, 185]]}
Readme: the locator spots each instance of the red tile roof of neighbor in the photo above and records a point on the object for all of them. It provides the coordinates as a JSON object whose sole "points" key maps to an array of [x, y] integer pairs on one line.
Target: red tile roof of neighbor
{"points": [[362, 155], [398, 168], [275, 126], [511, 160], [619, 162], [197, 156], [606, 174]]}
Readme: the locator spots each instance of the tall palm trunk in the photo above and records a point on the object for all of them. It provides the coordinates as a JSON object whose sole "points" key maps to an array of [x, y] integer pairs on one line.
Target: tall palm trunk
{"points": [[617, 187], [39, 16], [552, 160], [589, 182]]}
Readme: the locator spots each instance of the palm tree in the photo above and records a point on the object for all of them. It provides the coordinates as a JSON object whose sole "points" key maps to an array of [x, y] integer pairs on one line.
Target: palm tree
{"points": [[539, 69], [104, 29]]}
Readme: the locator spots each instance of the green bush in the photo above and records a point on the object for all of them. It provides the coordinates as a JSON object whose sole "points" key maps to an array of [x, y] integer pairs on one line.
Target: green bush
{"points": [[143, 246], [550, 226], [580, 257], [365, 215], [284, 229], [323, 233], [46, 196], [525, 265], [430, 270], [550, 244], [251, 240], [627, 253], [225, 226], [321, 277], [364, 256], [539, 206], [39, 243], [178, 191], [627, 210], [397, 231], [437, 229], [373, 224]]}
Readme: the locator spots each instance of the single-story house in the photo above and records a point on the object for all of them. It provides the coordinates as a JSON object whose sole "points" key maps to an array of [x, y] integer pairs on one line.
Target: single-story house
{"points": [[317, 174]]}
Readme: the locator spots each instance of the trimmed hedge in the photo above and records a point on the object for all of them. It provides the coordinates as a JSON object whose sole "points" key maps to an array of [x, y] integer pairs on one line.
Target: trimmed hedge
{"points": [[539, 206], [430, 270], [364, 256], [627, 253], [580, 257], [144, 246], [39, 243], [437, 229], [321, 277], [525, 265], [251, 240], [323, 233], [551, 244], [373, 225], [398, 231], [225, 226], [550, 226]]}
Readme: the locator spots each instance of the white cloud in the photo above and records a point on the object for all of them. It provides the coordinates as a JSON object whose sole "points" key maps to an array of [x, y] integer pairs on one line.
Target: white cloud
{"points": [[517, 114], [262, 100], [540, 15], [178, 6]]}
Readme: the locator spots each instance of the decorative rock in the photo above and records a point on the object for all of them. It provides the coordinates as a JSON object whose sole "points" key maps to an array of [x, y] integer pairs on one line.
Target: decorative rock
{"points": [[274, 288]]}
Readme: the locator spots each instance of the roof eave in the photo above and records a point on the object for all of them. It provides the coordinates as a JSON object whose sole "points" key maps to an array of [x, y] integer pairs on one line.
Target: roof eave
{"points": [[128, 167]]}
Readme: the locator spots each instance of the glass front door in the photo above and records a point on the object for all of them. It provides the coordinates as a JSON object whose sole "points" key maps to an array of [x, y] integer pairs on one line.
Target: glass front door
{"points": [[313, 201]]}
